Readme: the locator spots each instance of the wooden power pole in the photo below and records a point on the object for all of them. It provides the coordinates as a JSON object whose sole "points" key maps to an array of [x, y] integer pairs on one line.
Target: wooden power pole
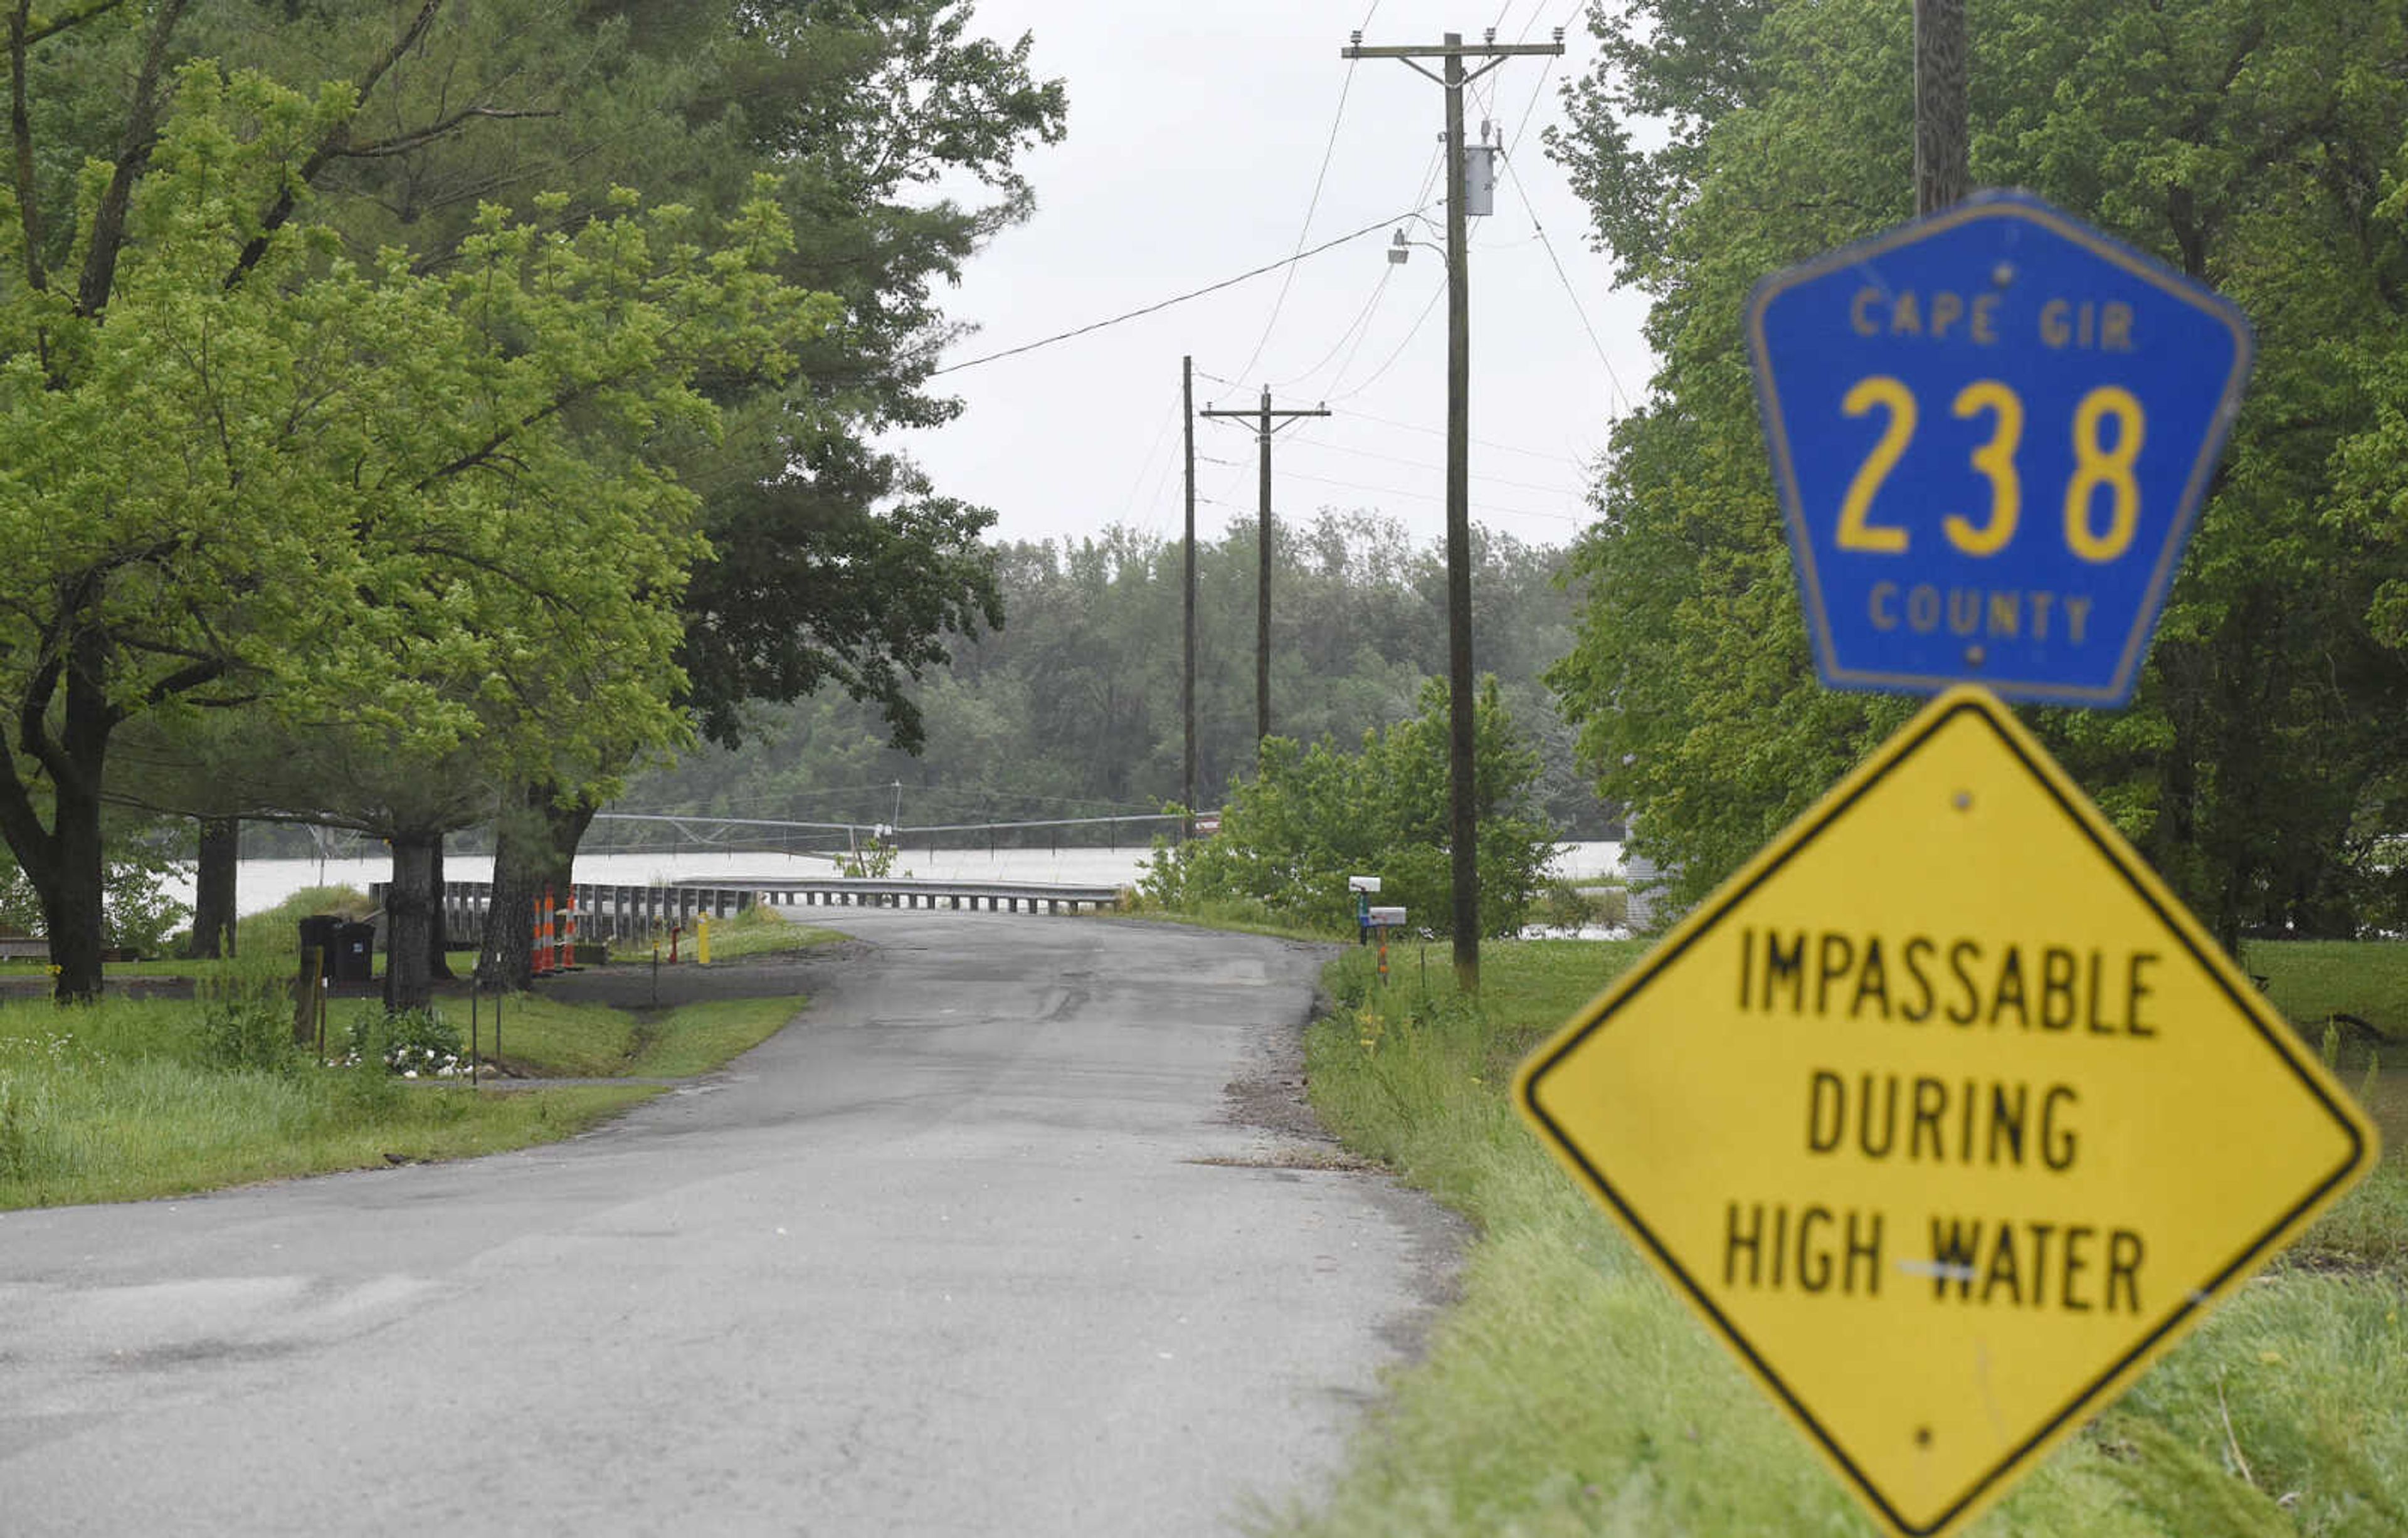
{"points": [[1187, 651], [1942, 161], [1264, 416], [1463, 822]]}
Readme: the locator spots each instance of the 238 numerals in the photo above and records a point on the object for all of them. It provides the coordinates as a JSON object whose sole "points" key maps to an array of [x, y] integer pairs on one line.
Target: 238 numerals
{"points": [[2098, 467]]}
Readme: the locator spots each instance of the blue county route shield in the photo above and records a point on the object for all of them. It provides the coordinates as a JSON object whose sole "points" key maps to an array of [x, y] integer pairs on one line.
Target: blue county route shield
{"points": [[1991, 429], [1945, 1116]]}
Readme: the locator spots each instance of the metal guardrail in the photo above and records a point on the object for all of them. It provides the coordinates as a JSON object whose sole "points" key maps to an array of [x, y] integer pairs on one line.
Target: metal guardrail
{"points": [[630, 915], [911, 892]]}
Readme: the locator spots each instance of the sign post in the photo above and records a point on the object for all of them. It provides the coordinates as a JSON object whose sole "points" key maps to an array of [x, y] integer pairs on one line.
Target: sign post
{"points": [[1382, 920]]}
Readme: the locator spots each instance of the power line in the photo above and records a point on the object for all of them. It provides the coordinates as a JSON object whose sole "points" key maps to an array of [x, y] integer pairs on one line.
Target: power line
{"points": [[1419, 322], [1529, 109], [1362, 320], [1180, 298], [1557, 261], [1346, 365], [1312, 207], [1170, 419]]}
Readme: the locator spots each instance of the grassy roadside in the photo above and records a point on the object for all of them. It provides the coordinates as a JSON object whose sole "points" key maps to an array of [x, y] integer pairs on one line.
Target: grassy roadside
{"points": [[543, 1038], [1570, 1392], [1231, 918], [123, 1099]]}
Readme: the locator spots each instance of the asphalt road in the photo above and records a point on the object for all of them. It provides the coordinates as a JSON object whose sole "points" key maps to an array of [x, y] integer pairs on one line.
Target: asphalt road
{"points": [[983, 1243]]}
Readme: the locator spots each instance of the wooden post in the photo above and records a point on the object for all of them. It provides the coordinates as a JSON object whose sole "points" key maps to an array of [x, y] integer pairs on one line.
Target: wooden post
{"points": [[304, 995]]}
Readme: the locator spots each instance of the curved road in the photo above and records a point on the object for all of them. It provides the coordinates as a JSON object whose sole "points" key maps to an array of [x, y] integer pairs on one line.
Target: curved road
{"points": [[984, 1243]]}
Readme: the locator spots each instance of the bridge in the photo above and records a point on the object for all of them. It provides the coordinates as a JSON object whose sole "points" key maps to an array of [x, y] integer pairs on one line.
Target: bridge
{"points": [[632, 915]]}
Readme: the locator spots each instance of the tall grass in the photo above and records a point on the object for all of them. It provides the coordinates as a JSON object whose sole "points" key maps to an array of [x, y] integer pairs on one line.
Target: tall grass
{"points": [[1571, 1393], [122, 1099]]}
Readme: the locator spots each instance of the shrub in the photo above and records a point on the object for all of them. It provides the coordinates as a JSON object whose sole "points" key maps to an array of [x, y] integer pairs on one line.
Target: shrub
{"points": [[1310, 817], [413, 1044], [246, 1016], [277, 932], [1566, 904]]}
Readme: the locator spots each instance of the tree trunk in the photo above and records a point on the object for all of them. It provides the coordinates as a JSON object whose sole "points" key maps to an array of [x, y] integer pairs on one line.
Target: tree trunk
{"points": [[409, 913], [438, 938], [535, 847], [71, 897], [63, 861], [213, 886]]}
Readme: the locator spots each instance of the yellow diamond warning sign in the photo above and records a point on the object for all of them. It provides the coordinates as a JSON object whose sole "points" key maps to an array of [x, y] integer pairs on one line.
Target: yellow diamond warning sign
{"points": [[1946, 1115]]}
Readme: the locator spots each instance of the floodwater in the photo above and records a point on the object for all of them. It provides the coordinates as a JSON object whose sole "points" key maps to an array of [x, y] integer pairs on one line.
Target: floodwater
{"points": [[263, 884]]}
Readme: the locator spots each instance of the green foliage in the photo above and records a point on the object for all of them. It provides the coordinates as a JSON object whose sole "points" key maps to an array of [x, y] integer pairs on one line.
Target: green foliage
{"points": [[393, 504], [873, 856], [24, 1112], [276, 932], [1073, 710], [408, 1044], [1310, 817], [1564, 904], [2252, 144], [246, 1015]]}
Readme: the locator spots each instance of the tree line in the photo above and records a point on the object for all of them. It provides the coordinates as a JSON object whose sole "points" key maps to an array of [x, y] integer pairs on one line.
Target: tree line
{"points": [[1074, 707]]}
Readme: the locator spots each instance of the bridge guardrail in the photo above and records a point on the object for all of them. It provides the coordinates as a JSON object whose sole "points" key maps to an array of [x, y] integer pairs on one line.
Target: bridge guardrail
{"points": [[620, 914]]}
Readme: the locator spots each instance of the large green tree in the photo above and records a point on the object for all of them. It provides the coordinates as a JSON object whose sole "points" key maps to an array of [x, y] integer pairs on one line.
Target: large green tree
{"points": [[889, 132], [893, 135], [2254, 144], [244, 466]]}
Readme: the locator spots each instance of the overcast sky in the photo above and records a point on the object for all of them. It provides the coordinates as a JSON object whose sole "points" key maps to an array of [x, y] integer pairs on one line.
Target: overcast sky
{"points": [[1197, 136]]}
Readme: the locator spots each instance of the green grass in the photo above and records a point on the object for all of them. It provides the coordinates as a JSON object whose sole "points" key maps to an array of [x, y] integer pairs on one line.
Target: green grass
{"points": [[1570, 1392], [543, 1038], [755, 932], [124, 1099], [1236, 916], [2309, 980], [701, 1036]]}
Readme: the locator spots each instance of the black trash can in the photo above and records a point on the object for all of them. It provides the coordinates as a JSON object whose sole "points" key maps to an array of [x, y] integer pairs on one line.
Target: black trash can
{"points": [[355, 953], [323, 932]]}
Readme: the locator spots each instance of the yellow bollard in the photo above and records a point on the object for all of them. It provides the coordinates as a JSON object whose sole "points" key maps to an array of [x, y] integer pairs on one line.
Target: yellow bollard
{"points": [[702, 941]]}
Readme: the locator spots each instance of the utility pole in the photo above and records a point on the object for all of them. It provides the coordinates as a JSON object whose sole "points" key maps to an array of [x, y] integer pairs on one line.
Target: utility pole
{"points": [[1263, 416], [1187, 666], [1942, 174], [1463, 822]]}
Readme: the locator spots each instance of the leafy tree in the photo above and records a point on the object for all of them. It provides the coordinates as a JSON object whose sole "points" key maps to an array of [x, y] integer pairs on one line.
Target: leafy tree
{"points": [[245, 467], [838, 563], [1310, 817], [2252, 144], [890, 133]]}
